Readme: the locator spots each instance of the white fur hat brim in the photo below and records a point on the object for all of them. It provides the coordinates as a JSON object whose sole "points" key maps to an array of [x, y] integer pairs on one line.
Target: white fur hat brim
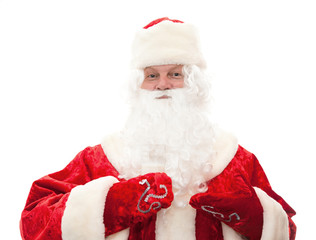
{"points": [[167, 42]]}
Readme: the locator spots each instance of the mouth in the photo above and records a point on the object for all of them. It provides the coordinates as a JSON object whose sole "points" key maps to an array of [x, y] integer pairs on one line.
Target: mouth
{"points": [[163, 97]]}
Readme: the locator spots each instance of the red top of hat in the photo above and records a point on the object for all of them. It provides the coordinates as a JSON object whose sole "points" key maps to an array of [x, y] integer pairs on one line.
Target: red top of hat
{"points": [[160, 20]]}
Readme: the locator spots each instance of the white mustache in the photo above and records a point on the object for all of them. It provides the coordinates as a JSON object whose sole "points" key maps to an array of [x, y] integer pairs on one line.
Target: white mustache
{"points": [[162, 94]]}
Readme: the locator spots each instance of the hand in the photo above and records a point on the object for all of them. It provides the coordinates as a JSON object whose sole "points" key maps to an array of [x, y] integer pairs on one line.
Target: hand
{"points": [[134, 200], [239, 208]]}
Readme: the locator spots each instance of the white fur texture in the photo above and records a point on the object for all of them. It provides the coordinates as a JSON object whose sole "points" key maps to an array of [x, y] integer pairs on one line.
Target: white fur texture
{"points": [[167, 43], [225, 148], [275, 219], [230, 234], [122, 235], [83, 215], [176, 223]]}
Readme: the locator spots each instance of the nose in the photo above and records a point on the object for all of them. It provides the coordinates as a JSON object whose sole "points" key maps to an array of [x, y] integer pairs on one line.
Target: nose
{"points": [[164, 83]]}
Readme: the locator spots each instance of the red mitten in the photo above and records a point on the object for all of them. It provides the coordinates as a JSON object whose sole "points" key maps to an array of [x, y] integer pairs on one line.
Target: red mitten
{"points": [[134, 200], [240, 209]]}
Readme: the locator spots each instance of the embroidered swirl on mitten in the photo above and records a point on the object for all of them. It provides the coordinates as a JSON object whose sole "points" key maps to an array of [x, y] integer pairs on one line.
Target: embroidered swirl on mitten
{"points": [[145, 181], [220, 215]]}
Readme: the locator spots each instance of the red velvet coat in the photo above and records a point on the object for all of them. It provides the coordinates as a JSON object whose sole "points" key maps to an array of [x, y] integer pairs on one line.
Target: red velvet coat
{"points": [[42, 217]]}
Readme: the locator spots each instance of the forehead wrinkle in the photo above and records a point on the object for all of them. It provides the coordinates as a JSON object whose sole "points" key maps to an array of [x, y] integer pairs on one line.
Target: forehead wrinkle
{"points": [[158, 68]]}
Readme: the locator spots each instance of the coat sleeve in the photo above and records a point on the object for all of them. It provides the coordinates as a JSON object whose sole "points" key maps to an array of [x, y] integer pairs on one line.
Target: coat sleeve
{"points": [[272, 203], [69, 204]]}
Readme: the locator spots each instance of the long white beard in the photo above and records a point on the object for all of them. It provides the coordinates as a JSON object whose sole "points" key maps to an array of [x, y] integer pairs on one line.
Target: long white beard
{"points": [[171, 135]]}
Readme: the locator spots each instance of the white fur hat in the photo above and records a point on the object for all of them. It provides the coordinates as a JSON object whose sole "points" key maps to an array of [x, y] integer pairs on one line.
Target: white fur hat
{"points": [[165, 41]]}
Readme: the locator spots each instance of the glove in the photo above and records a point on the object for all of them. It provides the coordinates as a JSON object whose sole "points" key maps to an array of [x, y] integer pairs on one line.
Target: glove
{"points": [[238, 208], [132, 201]]}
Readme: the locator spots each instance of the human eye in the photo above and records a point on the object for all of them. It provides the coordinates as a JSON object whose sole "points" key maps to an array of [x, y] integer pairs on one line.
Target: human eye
{"points": [[151, 75], [176, 75]]}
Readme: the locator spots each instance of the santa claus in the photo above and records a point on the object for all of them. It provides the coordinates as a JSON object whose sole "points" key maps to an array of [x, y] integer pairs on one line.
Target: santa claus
{"points": [[171, 173]]}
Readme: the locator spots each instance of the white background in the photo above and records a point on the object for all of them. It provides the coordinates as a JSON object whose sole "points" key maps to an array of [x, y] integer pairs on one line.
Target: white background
{"points": [[62, 65]]}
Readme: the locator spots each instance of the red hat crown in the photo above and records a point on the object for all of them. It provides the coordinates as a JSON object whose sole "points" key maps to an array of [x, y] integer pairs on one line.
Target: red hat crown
{"points": [[160, 20]]}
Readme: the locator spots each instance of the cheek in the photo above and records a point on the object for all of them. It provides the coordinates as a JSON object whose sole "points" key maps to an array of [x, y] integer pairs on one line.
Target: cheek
{"points": [[179, 84], [147, 85]]}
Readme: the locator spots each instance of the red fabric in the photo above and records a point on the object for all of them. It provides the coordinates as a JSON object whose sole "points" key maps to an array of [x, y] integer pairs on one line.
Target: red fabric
{"points": [[160, 20], [237, 205], [207, 226], [144, 230], [41, 217], [259, 179], [246, 165], [133, 201]]}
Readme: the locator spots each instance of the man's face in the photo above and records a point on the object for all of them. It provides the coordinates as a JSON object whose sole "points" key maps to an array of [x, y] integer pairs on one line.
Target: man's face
{"points": [[163, 77], [173, 134]]}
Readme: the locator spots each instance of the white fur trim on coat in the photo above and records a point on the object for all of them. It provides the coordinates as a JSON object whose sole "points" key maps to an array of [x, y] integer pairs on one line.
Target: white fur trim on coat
{"points": [[83, 215], [230, 234], [176, 223], [225, 148], [167, 43], [122, 235], [275, 219]]}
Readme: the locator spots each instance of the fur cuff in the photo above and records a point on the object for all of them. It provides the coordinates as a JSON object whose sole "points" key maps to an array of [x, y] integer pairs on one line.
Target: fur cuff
{"points": [[275, 219], [83, 215]]}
